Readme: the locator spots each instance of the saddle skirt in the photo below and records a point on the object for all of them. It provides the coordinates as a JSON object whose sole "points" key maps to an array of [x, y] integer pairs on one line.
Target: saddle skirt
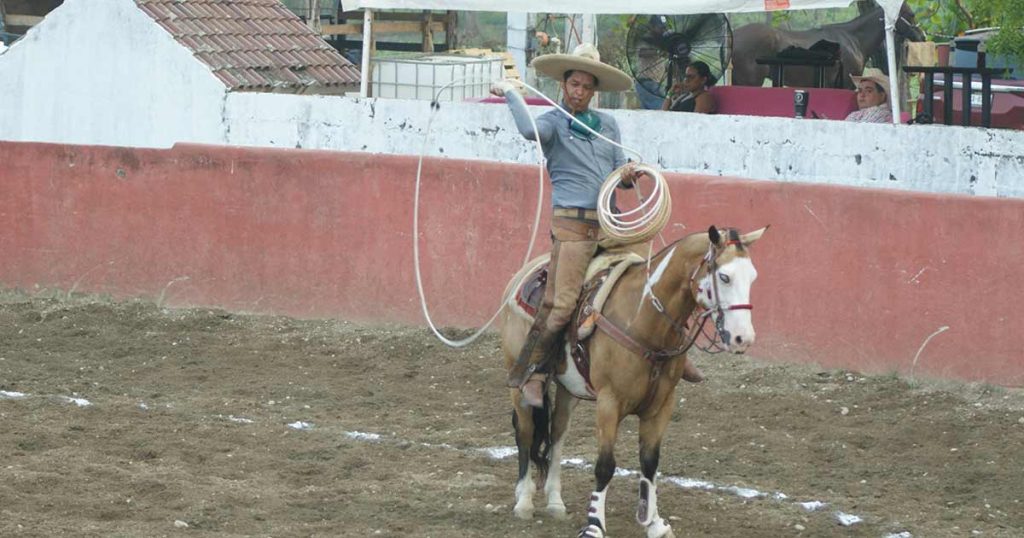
{"points": [[602, 274]]}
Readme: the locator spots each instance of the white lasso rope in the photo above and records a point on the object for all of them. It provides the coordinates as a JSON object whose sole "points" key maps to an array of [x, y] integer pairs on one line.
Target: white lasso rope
{"points": [[639, 224], [642, 223], [434, 107]]}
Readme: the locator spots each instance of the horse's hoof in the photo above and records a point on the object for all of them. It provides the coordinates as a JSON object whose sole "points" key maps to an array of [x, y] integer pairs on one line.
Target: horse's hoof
{"points": [[523, 513], [591, 531], [557, 511], [660, 529]]}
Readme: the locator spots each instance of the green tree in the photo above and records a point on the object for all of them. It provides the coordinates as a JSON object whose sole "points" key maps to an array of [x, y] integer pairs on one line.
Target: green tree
{"points": [[945, 19], [1008, 15]]}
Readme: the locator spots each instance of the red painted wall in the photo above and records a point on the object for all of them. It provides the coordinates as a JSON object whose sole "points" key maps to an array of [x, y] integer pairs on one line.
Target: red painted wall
{"points": [[850, 278]]}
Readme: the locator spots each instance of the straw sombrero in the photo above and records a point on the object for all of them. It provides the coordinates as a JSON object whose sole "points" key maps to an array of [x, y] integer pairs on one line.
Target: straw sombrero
{"points": [[874, 75], [584, 58]]}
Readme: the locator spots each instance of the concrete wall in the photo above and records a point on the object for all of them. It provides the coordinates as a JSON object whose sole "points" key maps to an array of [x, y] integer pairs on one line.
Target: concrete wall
{"points": [[923, 158], [103, 72], [848, 277]]}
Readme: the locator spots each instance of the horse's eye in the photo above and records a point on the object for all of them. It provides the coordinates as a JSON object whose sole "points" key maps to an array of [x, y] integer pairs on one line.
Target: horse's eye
{"points": [[724, 278]]}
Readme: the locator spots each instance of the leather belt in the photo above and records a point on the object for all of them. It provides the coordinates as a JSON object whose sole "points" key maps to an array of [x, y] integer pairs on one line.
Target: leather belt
{"points": [[575, 213]]}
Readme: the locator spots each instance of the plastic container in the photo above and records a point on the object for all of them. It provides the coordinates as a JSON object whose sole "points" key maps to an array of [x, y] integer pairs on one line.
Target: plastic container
{"points": [[943, 50], [422, 77], [964, 53]]}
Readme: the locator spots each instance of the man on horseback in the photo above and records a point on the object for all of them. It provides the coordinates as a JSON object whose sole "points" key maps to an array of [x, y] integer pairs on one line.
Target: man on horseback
{"points": [[578, 163]]}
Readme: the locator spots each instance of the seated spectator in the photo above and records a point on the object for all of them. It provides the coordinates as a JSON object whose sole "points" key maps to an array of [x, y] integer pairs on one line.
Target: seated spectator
{"points": [[872, 97], [691, 95]]}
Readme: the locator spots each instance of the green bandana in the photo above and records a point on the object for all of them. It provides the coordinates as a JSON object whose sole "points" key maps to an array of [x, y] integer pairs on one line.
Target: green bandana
{"points": [[587, 118]]}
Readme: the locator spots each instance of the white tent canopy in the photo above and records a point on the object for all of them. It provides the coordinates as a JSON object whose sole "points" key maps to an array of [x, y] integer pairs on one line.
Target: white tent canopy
{"points": [[652, 7]]}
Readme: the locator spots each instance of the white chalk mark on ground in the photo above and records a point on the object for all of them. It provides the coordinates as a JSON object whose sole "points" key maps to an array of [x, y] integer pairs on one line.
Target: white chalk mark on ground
{"points": [[847, 519], [812, 506], [363, 436], [504, 452], [80, 402], [239, 420]]}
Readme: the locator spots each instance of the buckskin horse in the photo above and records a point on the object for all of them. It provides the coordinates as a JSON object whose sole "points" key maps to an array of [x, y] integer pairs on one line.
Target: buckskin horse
{"points": [[636, 357], [858, 39]]}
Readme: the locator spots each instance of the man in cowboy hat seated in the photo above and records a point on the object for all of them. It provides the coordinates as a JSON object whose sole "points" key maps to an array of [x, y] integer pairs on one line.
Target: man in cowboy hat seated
{"points": [[577, 163], [872, 97]]}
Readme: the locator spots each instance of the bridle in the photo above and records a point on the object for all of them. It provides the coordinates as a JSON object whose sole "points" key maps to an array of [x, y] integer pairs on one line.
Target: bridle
{"points": [[910, 28], [716, 310]]}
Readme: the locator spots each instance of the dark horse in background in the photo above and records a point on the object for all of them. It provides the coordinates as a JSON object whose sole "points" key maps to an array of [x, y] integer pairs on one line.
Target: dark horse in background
{"points": [[858, 39]]}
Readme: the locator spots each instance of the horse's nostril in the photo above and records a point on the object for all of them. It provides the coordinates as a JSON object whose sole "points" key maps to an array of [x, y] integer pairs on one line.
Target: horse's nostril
{"points": [[739, 339]]}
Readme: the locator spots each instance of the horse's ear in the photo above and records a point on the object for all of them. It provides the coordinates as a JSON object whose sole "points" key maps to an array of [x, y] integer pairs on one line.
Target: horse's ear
{"points": [[748, 238], [713, 234]]}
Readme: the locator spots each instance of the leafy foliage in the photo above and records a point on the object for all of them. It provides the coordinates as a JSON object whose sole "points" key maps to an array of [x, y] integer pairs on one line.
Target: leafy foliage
{"points": [[1008, 15], [944, 19]]}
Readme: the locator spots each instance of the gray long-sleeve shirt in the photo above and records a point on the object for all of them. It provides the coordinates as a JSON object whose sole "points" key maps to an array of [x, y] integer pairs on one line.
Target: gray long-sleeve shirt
{"points": [[577, 166]]}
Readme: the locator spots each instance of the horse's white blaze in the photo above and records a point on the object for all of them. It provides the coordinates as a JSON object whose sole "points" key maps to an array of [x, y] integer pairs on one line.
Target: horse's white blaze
{"points": [[740, 273]]}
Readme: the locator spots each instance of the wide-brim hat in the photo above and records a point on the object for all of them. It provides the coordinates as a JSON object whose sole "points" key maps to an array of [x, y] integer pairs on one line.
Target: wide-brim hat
{"points": [[584, 58], [875, 75]]}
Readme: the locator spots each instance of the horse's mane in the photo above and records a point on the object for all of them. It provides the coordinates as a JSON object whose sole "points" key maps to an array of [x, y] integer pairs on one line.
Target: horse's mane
{"points": [[696, 244]]}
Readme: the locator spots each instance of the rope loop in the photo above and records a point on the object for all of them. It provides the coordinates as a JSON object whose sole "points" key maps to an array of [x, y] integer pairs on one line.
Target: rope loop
{"points": [[641, 223]]}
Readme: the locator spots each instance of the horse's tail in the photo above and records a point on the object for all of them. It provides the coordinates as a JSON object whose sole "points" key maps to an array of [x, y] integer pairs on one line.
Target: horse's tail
{"points": [[540, 447], [540, 450]]}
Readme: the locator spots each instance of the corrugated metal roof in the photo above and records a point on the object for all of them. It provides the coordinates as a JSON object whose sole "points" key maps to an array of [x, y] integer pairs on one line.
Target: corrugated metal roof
{"points": [[254, 45]]}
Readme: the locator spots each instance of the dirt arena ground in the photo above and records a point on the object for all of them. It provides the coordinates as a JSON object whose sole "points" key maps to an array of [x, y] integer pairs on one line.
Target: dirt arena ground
{"points": [[125, 419]]}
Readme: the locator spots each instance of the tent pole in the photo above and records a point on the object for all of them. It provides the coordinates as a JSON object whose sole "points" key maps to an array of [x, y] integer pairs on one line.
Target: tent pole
{"points": [[894, 78], [364, 80]]}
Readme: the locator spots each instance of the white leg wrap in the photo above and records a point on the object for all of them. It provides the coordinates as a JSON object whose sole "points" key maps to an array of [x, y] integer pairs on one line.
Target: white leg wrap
{"points": [[595, 516], [647, 509]]}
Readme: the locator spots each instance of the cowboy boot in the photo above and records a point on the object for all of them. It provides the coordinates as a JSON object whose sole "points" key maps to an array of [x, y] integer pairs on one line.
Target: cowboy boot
{"points": [[523, 374], [533, 390]]}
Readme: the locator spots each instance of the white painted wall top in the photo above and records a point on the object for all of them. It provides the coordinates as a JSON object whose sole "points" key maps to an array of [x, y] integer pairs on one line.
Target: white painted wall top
{"points": [[926, 158], [103, 72]]}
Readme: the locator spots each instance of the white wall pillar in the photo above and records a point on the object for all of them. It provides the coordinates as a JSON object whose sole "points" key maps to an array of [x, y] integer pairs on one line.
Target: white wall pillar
{"points": [[364, 79], [518, 39]]}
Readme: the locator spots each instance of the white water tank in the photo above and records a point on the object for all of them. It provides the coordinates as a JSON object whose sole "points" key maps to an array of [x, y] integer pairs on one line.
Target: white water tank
{"points": [[462, 77]]}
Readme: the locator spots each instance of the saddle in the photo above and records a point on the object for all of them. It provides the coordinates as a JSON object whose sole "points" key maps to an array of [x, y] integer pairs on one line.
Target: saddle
{"points": [[602, 274]]}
